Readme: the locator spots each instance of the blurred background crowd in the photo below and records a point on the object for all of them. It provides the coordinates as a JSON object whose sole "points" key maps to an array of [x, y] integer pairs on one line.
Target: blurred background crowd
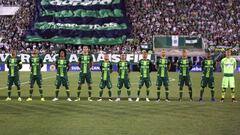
{"points": [[216, 21]]}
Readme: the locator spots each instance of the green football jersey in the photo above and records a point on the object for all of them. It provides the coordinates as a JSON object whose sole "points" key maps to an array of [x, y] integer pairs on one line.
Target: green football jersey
{"points": [[208, 67], [14, 65], [184, 65], [123, 69], [163, 65], [36, 63], [145, 68], [228, 66], [106, 69], [62, 66], [85, 62]]}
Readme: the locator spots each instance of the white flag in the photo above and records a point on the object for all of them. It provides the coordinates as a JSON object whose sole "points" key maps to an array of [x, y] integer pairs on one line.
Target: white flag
{"points": [[175, 41]]}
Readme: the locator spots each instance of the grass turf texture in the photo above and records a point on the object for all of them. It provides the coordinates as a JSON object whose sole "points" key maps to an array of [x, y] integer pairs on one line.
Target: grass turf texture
{"points": [[103, 118]]}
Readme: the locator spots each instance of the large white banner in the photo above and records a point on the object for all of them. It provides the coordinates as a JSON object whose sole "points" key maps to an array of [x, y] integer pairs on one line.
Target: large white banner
{"points": [[8, 10]]}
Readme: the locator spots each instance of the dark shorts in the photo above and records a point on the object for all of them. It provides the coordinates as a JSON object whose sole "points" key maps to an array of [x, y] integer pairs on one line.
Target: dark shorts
{"points": [[184, 80], [125, 82], [162, 81], [62, 81], [85, 76], [145, 81], [34, 78], [13, 80], [105, 83], [207, 81]]}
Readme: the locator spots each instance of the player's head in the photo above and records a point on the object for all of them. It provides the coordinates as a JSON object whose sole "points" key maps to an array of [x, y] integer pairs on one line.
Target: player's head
{"points": [[85, 49], [184, 53], [145, 54], [106, 57], [35, 52], [62, 53], [228, 53], [13, 52], [209, 55], [163, 53], [123, 57]]}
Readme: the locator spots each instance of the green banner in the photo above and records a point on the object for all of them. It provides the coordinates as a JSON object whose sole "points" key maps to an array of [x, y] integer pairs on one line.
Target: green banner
{"points": [[84, 13], [77, 41]]}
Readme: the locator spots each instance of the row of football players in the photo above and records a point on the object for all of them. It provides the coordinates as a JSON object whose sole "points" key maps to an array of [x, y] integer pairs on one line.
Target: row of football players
{"points": [[228, 65]]}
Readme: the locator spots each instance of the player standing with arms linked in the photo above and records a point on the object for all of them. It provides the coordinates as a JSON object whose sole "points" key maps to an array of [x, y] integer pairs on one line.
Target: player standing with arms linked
{"points": [[228, 65], [14, 64], [123, 77], [208, 65], [162, 66], [106, 69], [145, 66], [62, 66], [36, 63], [85, 62], [184, 66]]}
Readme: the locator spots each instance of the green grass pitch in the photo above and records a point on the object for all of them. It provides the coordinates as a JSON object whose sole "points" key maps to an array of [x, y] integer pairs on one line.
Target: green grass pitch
{"points": [[125, 118]]}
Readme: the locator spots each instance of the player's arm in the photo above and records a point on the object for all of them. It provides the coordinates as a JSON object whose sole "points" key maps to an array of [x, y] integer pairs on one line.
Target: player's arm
{"points": [[203, 64], [150, 66], [91, 61], [222, 64], [30, 62], [169, 65], [68, 65], [235, 64], [157, 64], [79, 61], [19, 62], [129, 67], [139, 65], [56, 63], [41, 62], [190, 64], [8, 62], [118, 66], [178, 64], [214, 64], [101, 65], [111, 67]]}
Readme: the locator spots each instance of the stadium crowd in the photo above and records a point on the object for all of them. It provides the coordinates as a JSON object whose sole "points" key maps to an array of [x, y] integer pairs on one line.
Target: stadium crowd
{"points": [[216, 21]]}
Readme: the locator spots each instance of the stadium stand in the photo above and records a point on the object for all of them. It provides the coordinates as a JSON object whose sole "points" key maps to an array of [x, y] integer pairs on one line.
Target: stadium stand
{"points": [[216, 21]]}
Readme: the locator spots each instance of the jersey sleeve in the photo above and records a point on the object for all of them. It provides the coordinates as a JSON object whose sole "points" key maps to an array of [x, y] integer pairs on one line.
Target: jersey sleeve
{"points": [[111, 67], [118, 67], [168, 64], [56, 63], [79, 60], [222, 64], [101, 65], [19, 63], [150, 66], [157, 63], [41, 61], [139, 65], [203, 64], [30, 61], [68, 65], [8, 61], [190, 64], [235, 64], [91, 60], [129, 66]]}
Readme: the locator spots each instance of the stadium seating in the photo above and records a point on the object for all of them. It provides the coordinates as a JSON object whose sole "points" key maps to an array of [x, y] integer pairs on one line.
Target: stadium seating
{"points": [[217, 22]]}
